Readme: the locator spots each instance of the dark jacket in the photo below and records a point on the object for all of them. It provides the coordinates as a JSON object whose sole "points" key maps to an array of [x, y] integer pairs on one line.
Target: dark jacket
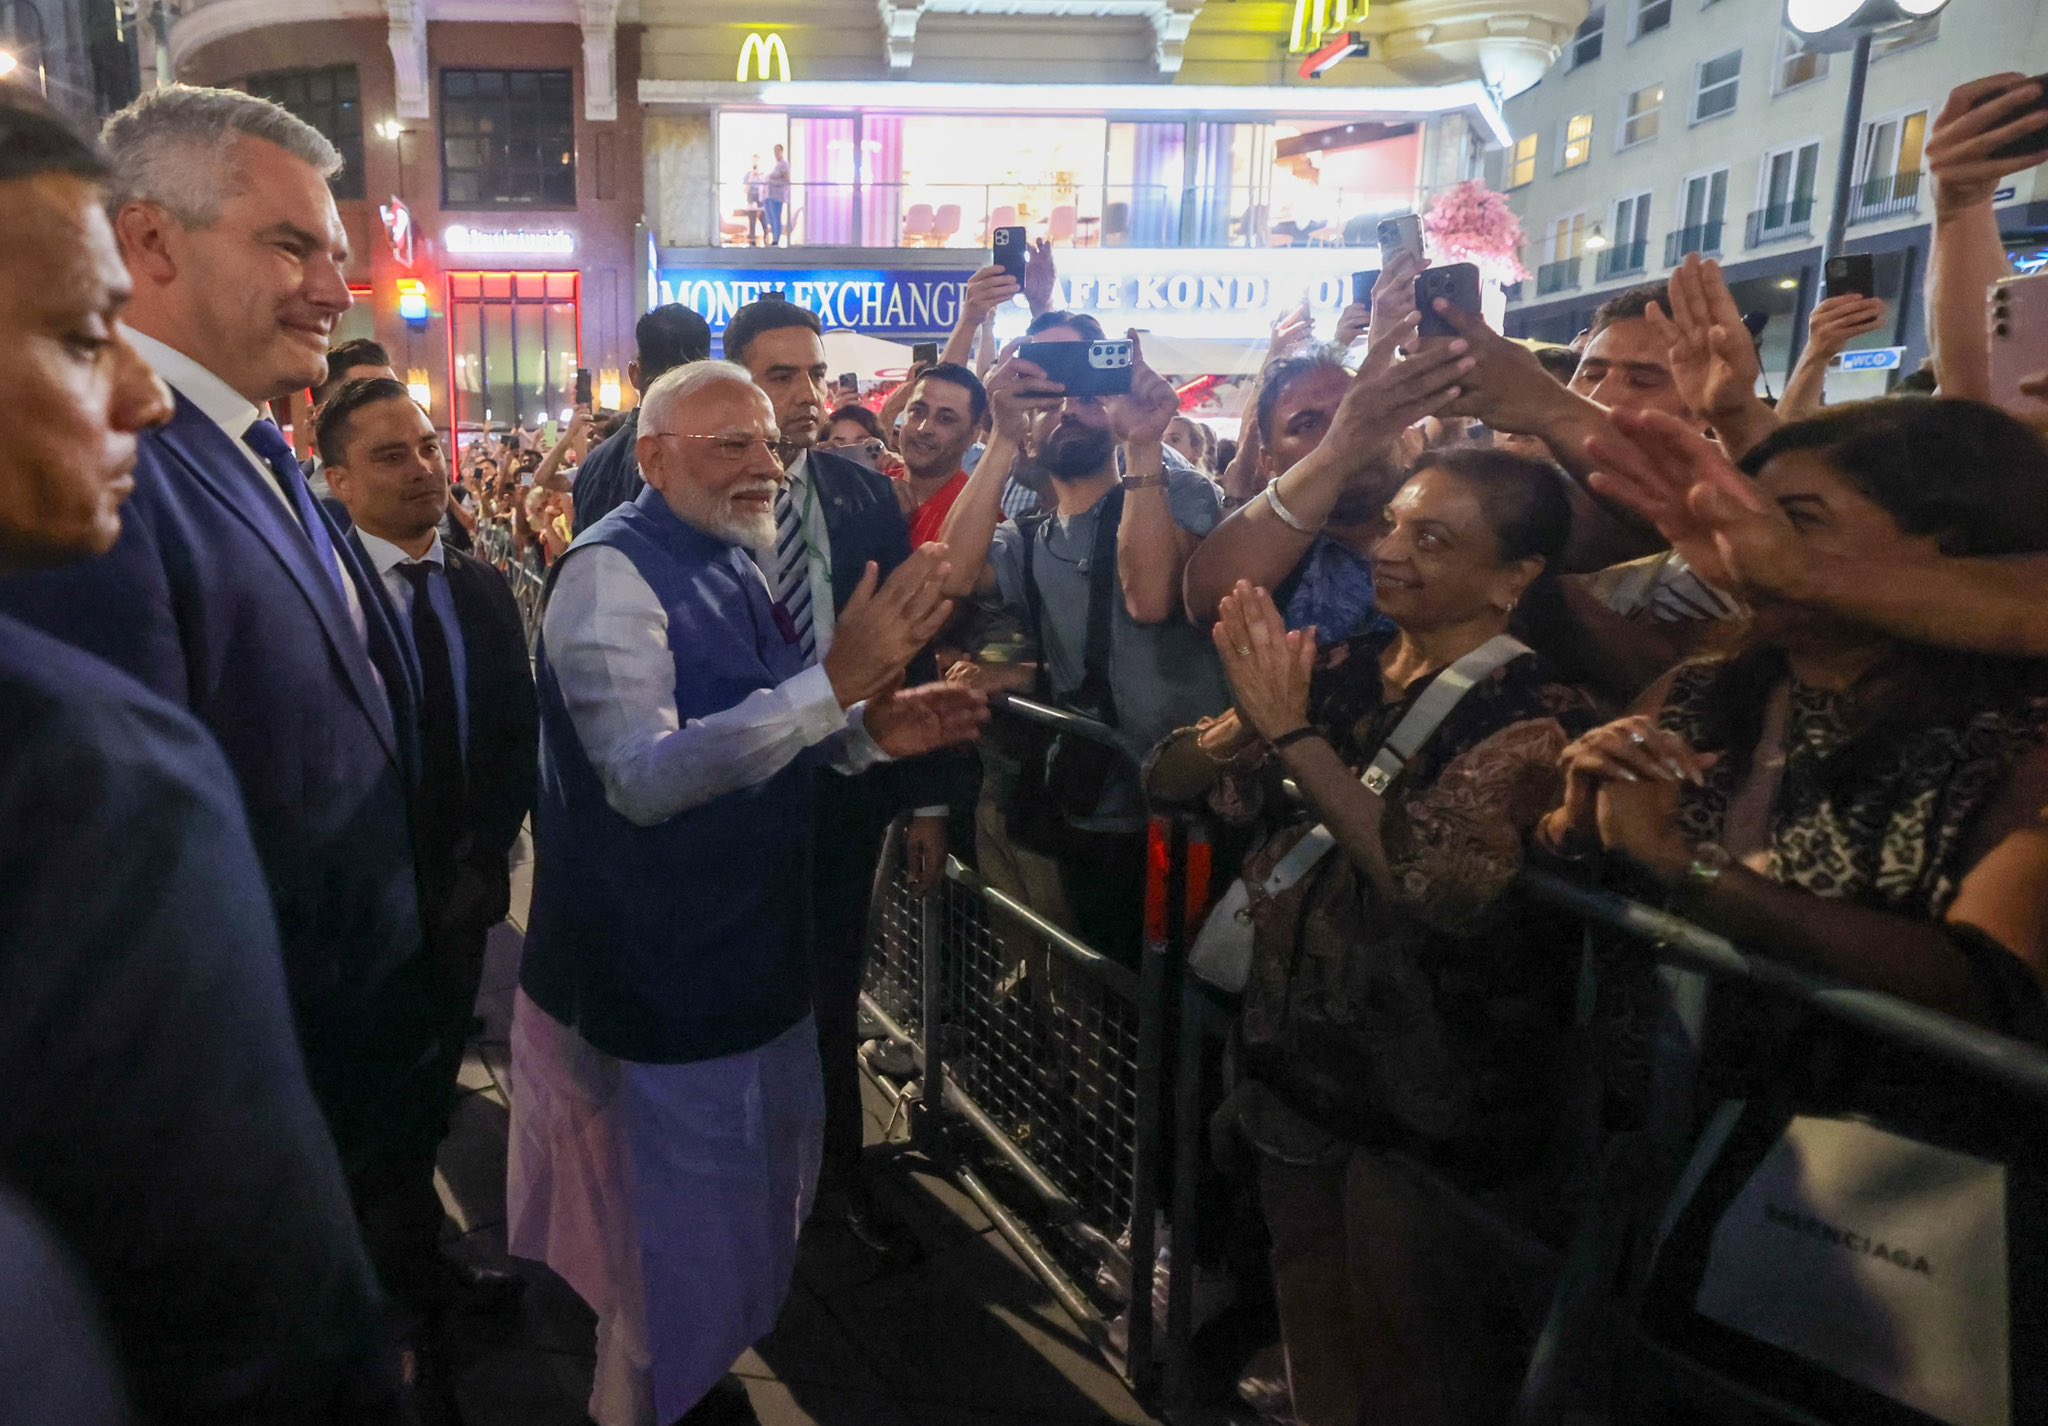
{"points": [[609, 475], [213, 599], [504, 730], [157, 1114]]}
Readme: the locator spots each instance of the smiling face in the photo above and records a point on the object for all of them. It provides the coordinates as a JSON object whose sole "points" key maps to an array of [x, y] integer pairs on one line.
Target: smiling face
{"points": [[254, 296], [715, 463], [77, 392], [789, 364], [938, 428], [1437, 562], [392, 475]]}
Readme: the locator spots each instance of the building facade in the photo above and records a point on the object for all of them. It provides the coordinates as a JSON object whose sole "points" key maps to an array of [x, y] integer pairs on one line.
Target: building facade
{"points": [[1675, 126]]}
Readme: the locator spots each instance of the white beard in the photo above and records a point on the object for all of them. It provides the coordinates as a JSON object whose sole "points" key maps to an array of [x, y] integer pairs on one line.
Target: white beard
{"points": [[718, 518]]}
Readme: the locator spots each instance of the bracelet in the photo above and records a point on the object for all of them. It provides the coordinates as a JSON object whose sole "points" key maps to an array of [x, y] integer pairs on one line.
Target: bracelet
{"points": [[1293, 736], [1287, 517], [1144, 482]]}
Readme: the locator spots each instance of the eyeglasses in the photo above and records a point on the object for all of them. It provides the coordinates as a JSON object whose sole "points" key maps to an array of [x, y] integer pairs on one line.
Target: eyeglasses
{"points": [[729, 449]]}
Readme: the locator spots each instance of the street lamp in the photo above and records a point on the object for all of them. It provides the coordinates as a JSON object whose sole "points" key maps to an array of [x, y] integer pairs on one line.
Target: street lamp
{"points": [[395, 132], [1834, 26]]}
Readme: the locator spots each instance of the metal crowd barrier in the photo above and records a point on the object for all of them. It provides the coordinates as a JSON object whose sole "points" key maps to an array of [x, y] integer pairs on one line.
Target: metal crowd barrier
{"points": [[494, 542]]}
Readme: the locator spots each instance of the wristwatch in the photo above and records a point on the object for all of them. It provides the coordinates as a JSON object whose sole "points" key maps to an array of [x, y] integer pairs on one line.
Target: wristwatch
{"points": [[1709, 860], [1144, 482]]}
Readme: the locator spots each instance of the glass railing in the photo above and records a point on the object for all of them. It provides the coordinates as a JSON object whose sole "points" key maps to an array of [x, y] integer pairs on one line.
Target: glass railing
{"points": [[965, 216], [1559, 276], [1891, 196], [1775, 222], [1701, 238], [1623, 260]]}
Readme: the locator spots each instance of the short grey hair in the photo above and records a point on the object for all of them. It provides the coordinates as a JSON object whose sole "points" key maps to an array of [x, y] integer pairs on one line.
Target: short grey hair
{"points": [[677, 385], [171, 146]]}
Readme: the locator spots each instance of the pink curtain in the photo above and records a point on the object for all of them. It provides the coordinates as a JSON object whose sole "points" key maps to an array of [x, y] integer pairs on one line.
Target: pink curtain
{"points": [[821, 209], [881, 217]]}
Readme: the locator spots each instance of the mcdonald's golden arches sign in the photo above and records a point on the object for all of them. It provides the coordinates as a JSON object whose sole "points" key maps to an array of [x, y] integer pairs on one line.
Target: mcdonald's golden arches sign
{"points": [[766, 55]]}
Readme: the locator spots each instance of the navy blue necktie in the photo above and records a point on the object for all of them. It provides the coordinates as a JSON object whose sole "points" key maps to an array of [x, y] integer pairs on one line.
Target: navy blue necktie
{"points": [[269, 443], [442, 783]]}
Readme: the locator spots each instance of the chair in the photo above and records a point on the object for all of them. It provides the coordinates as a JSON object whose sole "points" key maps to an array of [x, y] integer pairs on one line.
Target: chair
{"points": [[1004, 216], [1116, 224], [917, 225], [1059, 225], [946, 225]]}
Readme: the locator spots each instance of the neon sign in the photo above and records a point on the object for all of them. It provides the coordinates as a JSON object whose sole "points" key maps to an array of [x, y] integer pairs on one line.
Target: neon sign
{"points": [[1314, 20], [759, 53]]}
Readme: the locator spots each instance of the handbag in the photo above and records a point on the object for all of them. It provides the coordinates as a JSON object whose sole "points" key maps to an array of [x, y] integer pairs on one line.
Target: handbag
{"points": [[1222, 952], [1064, 774]]}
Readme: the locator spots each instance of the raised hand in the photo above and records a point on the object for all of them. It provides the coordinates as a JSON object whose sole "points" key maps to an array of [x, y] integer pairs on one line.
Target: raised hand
{"points": [[1293, 328], [1713, 360], [1268, 665], [1016, 390], [882, 628], [1838, 321], [1391, 393], [1141, 418], [1393, 297], [1039, 276], [1979, 118], [910, 723], [1506, 387], [987, 290]]}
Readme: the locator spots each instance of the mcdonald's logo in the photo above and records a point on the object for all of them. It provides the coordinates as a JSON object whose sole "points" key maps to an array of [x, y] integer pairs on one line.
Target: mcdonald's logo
{"points": [[1315, 19], [761, 53]]}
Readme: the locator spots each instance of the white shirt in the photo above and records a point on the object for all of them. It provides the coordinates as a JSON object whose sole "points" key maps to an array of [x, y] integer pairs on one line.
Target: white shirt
{"points": [[386, 558], [607, 642], [234, 413]]}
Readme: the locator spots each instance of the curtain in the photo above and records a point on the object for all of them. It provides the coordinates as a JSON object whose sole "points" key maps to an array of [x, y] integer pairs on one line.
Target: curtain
{"points": [[881, 214], [821, 205]]}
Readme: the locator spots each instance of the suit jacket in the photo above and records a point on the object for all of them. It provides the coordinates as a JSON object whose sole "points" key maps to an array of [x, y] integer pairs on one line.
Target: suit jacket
{"points": [[609, 475], [157, 1114], [214, 598]]}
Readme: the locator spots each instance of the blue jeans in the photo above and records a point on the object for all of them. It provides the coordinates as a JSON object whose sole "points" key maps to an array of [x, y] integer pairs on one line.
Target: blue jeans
{"points": [[775, 207]]}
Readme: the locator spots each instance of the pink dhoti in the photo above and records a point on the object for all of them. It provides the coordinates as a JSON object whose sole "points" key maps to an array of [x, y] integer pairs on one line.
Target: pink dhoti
{"points": [[668, 1196]]}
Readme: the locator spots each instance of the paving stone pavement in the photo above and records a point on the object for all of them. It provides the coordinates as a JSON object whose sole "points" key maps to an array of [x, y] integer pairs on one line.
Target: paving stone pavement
{"points": [[963, 1335]]}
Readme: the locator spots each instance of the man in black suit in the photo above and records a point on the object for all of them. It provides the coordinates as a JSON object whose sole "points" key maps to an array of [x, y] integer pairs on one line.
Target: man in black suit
{"points": [[668, 337], [834, 517], [479, 729], [157, 1115]]}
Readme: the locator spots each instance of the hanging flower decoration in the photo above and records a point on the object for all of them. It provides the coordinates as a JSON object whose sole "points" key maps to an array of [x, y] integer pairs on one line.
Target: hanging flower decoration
{"points": [[1471, 223]]}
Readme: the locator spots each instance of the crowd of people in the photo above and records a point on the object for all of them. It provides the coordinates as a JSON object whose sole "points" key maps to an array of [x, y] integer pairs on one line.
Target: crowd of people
{"points": [[1447, 607]]}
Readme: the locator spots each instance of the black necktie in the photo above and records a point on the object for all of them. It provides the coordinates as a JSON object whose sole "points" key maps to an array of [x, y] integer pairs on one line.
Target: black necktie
{"points": [[441, 777]]}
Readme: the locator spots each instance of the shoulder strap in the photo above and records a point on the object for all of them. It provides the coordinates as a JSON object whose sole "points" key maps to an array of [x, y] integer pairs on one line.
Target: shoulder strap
{"points": [[1446, 692], [1102, 594], [1034, 604]]}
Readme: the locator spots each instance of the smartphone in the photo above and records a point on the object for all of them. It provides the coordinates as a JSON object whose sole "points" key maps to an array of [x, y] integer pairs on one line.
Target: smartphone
{"points": [[1011, 249], [1853, 274], [582, 386], [848, 381], [2034, 143], [1084, 368], [1362, 284], [1458, 281], [1402, 234], [927, 353], [2018, 312]]}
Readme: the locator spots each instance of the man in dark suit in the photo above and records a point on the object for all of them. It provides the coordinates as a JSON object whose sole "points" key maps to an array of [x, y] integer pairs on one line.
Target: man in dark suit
{"points": [[478, 741], [668, 337], [834, 517], [232, 594], [157, 1117]]}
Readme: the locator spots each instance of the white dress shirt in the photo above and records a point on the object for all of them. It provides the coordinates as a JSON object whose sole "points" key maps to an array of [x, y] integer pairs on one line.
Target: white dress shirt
{"points": [[234, 413], [386, 558], [607, 641]]}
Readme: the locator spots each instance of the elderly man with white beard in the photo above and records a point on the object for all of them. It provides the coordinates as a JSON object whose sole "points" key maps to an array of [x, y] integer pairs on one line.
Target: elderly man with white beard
{"points": [[667, 1130]]}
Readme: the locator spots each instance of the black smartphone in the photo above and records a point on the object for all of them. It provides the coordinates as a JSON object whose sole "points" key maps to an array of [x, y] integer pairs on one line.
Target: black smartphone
{"points": [[924, 354], [582, 386], [1011, 249], [1459, 281], [2036, 142], [1402, 234], [1852, 274], [1362, 284], [1084, 368]]}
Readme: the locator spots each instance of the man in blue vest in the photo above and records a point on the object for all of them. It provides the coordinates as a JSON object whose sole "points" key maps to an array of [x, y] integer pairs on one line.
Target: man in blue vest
{"points": [[667, 1133]]}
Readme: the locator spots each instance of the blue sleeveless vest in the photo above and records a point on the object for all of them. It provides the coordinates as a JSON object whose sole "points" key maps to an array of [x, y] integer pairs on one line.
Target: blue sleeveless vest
{"points": [[688, 940]]}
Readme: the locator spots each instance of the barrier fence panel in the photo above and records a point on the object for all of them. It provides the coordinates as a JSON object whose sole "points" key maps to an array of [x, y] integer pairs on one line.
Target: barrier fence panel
{"points": [[496, 545]]}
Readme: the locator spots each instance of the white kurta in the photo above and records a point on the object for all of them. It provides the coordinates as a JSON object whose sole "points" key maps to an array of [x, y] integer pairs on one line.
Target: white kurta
{"points": [[668, 1196]]}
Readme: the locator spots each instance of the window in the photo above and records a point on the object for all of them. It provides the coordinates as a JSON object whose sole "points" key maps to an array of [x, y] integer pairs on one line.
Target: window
{"points": [[1702, 213], [1640, 116], [1586, 42], [1905, 37], [1797, 63], [508, 139], [1889, 175], [1568, 237], [1652, 16], [1578, 142], [514, 341], [1631, 248], [1716, 86], [1522, 164], [328, 100], [1789, 177]]}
